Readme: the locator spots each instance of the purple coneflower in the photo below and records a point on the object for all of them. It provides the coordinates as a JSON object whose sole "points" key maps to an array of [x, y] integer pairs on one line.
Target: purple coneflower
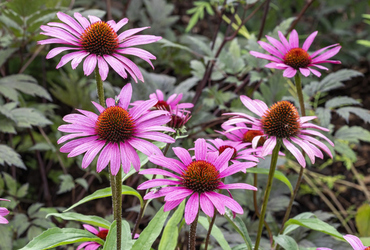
{"points": [[98, 43], [116, 132], [3, 212], [282, 122], [289, 57], [199, 179], [354, 241]]}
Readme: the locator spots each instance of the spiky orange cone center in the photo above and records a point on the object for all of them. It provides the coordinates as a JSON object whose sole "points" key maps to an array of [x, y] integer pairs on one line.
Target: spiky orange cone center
{"points": [[224, 147], [102, 234], [115, 125], [250, 134], [99, 39], [297, 58], [281, 120], [201, 176]]}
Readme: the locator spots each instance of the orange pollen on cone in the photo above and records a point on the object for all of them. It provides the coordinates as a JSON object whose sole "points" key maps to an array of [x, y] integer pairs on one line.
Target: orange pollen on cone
{"points": [[224, 147], [201, 176], [297, 58], [250, 134], [162, 105], [99, 39], [367, 248], [115, 125], [281, 120], [102, 234]]}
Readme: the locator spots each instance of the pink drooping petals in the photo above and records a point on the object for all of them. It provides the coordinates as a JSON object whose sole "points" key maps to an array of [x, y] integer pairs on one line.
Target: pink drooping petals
{"points": [[115, 133], [354, 241], [199, 179], [280, 122], [97, 44], [288, 56], [3, 212]]}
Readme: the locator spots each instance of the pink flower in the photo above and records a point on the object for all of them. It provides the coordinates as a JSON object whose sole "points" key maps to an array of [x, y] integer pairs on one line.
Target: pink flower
{"points": [[92, 245], [354, 241], [198, 179], [116, 132], [3, 212], [241, 152], [98, 43], [289, 57], [282, 122]]}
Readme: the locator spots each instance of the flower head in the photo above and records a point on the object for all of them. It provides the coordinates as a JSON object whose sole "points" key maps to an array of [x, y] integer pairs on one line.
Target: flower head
{"points": [[98, 43], [354, 241], [282, 122], [288, 56], [3, 212], [199, 179], [115, 133]]}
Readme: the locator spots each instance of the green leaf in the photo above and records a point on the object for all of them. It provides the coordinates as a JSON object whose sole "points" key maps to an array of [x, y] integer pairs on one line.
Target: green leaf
{"points": [[364, 42], [363, 220], [198, 68], [334, 80], [111, 240], [67, 183], [291, 228], [28, 117], [287, 242], [240, 227], [277, 175], [11, 183], [88, 219], [151, 231], [83, 183], [105, 192], [324, 115], [317, 225], [341, 101], [54, 237], [364, 114], [167, 43], [353, 134], [34, 208], [10, 157], [343, 148], [5, 54], [22, 191], [171, 232], [216, 233]]}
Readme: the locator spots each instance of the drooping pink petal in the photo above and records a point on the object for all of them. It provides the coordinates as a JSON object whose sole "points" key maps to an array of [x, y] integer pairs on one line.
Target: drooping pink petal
{"points": [[237, 186], [104, 157], [317, 143], [120, 24], [90, 229], [103, 68], [146, 147], [268, 146], [354, 241], [250, 104], [99, 107], [315, 72], [179, 193], [82, 20], [284, 41], [110, 102], [167, 163], [277, 44], [132, 155], [139, 40], [169, 205], [289, 72], [306, 148], [264, 56], [156, 183], [138, 110], [326, 55], [116, 65], [206, 205], [71, 22], [271, 49], [58, 50], [159, 172], [216, 201], [312, 132], [191, 208], [66, 58], [115, 162], [305, 72], [223, 158], [89, 64], [295, 152]]}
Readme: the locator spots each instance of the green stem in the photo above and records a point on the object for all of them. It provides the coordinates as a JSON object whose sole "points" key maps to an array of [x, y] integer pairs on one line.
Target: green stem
{"points": [[298, 85], [209, 231], [274, 158], [115, 181], [193, 233]]}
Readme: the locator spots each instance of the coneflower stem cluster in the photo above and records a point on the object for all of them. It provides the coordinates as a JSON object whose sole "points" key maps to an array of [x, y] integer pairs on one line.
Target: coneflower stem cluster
{"points": [[298, 85], [274, 158], [115, 181]]}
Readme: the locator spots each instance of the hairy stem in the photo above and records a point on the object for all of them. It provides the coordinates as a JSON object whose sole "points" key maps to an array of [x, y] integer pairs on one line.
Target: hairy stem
{"points": [[193, 233], [298, 86], [209, 231], [274, 158]]}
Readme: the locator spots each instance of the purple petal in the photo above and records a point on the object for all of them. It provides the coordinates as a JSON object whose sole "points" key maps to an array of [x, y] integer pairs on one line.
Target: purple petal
{"points": [[216, 201], [305, 119], [264, 56], [155, 136], [156, 183], [192, 208], [167, 163], [58, 50], [183, 155], [103, 68], [120, 24], [354, 241], [82, 148], [268, 146], [138, 110], [125, 96], [284, 41], [241, 166], [71, 22], [326, 55], [252, 105], [91, 229], [206, 205], [179, 193], [99, 107], [104, 158], [68, 57], [312, 132], [295, 152], [131, 67], [130, 32], [82, 20], [293, 39], [223, 158], [110, 102], [275, 66], [76, 61], [169, 205], [289, 72], [138, 40], [305, 72], [94, 19], [69, 146], [146, 147], [315, 72], [89, 64], [116, 65], [306, 148], [277, 44], [200, 149], [271, 49], [317, 52], [131, 155], [237, 186], [115, 159], [309, 40], [158, 171], [317, 143], [159, 193], [311, 125], [91, 153]]}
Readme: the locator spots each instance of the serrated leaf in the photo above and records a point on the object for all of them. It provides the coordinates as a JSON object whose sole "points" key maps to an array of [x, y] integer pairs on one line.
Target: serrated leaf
{"points": [[317, 225], [364, 114], [54, 237], [105, 192], [334, 80], [82, 182], [341, 101], [10, 157], [88, 219], [67, 183], [22, 191], [277, 175], [151, 231], [343, 148], [198, 68], [201, 45], [43, 223], [5, 54], [34, 208], [353, 134], [363, 220], [286, 242], [167, 43], [27, 117], [216, 233], [324, 115], [171, 233]]}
